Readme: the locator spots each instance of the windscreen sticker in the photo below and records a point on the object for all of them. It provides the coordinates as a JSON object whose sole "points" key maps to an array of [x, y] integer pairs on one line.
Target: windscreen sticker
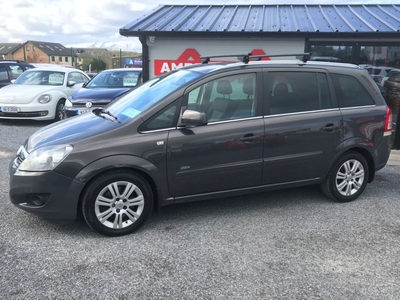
{"points": [[131, 112], [56, 78], [130, 80]]}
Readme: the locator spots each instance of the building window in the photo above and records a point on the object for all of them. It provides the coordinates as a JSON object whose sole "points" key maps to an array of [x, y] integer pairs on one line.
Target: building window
{"points": [[60, 59], [27, 48], [66, 59], [53, 58]]}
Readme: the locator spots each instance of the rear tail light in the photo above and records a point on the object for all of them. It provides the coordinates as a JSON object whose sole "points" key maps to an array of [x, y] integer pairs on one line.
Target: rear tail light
{"points": [[388, 121]]}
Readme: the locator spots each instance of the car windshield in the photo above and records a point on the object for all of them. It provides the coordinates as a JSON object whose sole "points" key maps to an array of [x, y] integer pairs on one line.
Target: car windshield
{"points": [[115, 79], [150, 93], [47, 77]]}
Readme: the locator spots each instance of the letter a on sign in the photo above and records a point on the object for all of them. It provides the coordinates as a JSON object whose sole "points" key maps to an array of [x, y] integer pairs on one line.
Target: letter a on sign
{"points": [[189, 57]]}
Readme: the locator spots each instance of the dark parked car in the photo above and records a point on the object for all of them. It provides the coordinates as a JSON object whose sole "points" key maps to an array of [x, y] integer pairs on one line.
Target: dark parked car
{"points": [[105, 87], [392, 84], [207, 131], [11, 69]]}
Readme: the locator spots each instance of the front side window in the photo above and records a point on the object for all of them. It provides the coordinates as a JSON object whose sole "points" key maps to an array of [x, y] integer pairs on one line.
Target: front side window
{"points": [[150, 93], [291, 92], [226, 98], [350, 92]]}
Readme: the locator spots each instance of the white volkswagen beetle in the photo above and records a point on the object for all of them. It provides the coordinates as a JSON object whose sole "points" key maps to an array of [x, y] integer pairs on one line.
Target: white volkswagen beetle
{"points": [[40, 93]]}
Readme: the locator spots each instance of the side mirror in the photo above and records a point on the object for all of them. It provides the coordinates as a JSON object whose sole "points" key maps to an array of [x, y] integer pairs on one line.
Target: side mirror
{"points": [[13, 80], [71, 83], [84, 84], [194, 118]]}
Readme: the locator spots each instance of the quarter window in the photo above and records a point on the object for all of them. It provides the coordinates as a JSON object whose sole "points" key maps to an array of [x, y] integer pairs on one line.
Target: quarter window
{"points": [[350, 92], [166, 118], [226, 98]]}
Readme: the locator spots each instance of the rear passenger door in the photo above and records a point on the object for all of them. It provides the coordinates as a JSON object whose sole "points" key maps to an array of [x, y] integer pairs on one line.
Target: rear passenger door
{"points": [[303, 126]]}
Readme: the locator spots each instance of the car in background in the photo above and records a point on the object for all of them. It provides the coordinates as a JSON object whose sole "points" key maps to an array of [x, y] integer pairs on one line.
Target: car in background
{"points": [[91, 74], [11, 69], [387, 76], [378, 73], [392, 84], [105, 87], [40, 93]]}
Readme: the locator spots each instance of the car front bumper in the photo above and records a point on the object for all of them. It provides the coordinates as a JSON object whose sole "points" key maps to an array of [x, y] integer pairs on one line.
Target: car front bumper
{"points": [[72, 111], [27, 111], [49, 195]]}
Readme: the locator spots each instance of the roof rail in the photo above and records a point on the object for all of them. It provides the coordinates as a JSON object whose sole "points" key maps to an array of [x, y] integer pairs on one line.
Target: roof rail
{"points": [[246, 57], [305, 56], [242, 57]]}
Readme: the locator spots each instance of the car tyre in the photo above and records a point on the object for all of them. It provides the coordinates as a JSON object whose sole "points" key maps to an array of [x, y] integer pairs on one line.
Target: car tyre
{"points": [[117, 203], [347, 178], [59, 113]]}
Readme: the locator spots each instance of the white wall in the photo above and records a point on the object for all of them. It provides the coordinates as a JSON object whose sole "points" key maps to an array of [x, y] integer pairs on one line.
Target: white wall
{"points": [[165, 51]]}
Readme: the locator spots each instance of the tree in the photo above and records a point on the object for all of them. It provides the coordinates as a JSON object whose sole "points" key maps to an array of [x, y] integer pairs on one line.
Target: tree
{"points": [[98, 65]]}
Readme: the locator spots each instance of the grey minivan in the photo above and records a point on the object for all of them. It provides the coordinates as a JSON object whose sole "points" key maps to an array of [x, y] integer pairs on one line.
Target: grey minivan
{"points": [[207, 131]]}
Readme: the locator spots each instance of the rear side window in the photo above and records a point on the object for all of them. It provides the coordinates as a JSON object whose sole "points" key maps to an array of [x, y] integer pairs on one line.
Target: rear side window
{"points": [[350, 92], [292, 92]]}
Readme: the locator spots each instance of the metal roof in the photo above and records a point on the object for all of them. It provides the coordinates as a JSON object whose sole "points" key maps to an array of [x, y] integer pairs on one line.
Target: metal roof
{"points": [[6, 48], [55, 49], [174, 19]]}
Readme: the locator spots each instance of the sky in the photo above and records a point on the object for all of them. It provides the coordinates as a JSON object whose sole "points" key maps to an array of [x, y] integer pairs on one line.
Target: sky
{"points": [[96, 23]]}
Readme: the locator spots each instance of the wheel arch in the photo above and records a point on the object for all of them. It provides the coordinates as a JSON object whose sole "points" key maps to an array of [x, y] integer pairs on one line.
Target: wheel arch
{"points": [[364, 151], [124, 162]]}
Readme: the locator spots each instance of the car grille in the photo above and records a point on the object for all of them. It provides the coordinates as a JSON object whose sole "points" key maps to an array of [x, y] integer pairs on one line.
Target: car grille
{"points": [[21, 155]]}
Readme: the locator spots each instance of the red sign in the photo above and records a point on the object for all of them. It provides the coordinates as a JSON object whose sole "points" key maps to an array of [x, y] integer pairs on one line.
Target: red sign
{"points": [[189, 57]]}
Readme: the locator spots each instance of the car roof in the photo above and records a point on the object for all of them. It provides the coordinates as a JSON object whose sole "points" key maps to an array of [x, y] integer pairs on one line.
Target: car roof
{"points": [[60, 69], [122, 69]]}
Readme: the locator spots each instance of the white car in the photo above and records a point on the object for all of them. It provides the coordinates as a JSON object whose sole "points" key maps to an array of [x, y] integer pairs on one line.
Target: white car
{"points": [[40, 93]]}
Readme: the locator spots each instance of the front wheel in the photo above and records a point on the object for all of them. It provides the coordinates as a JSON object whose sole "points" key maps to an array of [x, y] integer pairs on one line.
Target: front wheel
{"points": [[117, 203], [347, 178], [59, 113]]}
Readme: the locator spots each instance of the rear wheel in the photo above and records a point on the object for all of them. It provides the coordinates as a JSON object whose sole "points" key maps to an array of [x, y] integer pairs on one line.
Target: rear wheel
{"points": [[117, 203], [59, 113], [347, 178]]}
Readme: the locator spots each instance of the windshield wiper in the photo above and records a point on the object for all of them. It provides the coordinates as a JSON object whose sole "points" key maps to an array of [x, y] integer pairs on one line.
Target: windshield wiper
{"points": [[100, 111]]}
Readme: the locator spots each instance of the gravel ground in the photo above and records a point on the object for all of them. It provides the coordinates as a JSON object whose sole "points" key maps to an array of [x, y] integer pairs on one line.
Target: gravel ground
{"points": [[291, 244]]}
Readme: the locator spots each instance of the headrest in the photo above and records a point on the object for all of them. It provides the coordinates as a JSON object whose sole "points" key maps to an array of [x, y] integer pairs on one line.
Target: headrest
{"points": [[281, 89], [248, 86], [224, 87]]}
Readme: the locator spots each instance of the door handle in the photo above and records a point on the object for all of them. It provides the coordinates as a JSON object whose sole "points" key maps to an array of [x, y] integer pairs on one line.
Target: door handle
{"points": [[330, 127], [248, 138]]}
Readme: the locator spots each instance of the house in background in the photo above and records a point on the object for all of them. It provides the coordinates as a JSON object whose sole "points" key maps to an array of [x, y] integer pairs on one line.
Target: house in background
{"points": [[43, 52], [7, 50]]}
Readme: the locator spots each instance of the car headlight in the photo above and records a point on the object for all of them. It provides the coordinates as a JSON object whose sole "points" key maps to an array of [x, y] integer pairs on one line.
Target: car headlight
{"points": [[68, 102], [45, 98], [45, 158]]}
